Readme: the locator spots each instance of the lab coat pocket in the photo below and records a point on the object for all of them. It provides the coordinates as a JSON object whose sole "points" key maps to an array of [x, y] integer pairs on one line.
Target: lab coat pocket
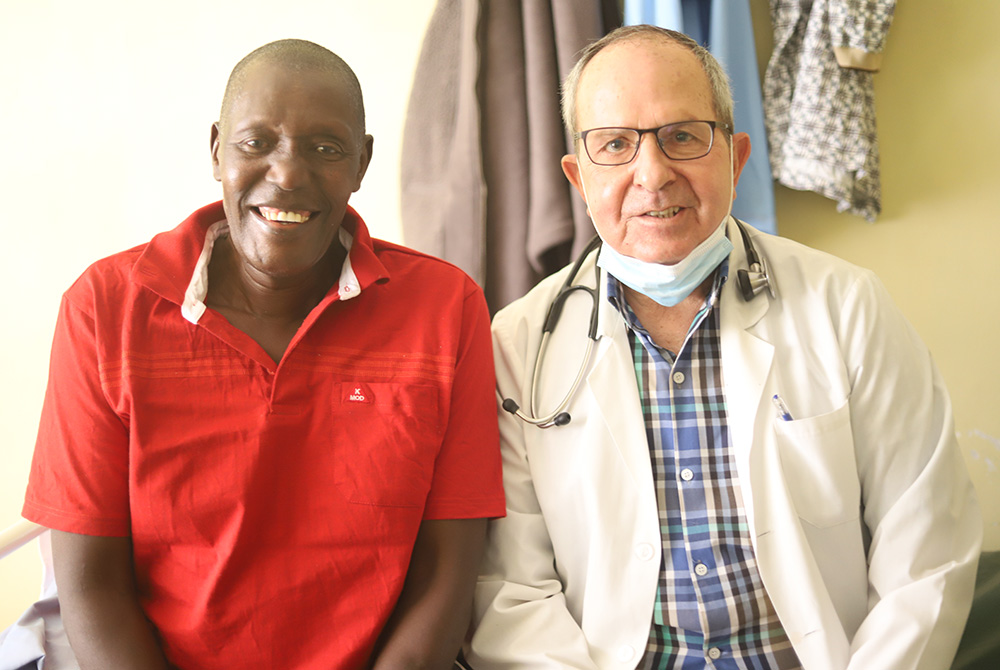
{"points": [[820, 470]]}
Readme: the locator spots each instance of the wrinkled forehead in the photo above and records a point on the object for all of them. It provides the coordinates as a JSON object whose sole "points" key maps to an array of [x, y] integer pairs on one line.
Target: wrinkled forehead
{"points": [[267, 83], [643, 81]]}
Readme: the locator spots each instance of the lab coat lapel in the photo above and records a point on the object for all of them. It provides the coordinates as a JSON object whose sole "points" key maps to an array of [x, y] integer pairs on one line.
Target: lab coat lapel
{"points": [[746, 364], [612, 387]]}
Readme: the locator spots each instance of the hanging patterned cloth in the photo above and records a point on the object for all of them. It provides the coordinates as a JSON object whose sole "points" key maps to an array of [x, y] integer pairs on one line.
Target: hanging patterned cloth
{"points": [[819, 98]]}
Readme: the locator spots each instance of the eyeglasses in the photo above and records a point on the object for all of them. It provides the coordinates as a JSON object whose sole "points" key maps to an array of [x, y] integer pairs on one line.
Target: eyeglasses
{"points": [[682, 141]]}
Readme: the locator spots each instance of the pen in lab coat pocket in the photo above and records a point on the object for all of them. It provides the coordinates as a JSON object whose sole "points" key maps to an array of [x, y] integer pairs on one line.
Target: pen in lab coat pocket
{"points": [[783, 412]]}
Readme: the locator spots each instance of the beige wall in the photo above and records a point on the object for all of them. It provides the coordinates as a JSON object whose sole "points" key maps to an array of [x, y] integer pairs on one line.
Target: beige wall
{"points": [[106, 114], [936, 242]]}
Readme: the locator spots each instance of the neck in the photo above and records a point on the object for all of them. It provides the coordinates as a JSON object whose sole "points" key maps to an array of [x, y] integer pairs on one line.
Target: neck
{"points": [[234, 286], [668, 326]]}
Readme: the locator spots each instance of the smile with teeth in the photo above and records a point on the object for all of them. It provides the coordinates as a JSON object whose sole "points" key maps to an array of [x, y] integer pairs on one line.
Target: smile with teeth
{"points": [[665, 213], [284, 217]]}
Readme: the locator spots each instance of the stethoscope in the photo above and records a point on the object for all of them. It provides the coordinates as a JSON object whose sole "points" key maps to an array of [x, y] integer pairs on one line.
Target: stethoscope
{"points": [[752, 280]]}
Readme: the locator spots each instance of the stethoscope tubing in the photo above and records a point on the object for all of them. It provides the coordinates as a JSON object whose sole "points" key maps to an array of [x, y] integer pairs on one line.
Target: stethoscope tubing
{"points": [[559, 416], [751, 281]]}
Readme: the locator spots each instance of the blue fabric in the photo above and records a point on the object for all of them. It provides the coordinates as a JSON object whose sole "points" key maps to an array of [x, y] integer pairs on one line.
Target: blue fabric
{"points": [[725, 28]]}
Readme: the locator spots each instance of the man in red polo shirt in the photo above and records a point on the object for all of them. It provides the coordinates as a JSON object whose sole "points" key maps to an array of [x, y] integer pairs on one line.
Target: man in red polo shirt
{"points": [[269, 440]]}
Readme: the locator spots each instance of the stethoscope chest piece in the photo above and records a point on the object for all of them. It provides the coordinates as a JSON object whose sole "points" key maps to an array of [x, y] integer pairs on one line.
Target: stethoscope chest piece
{"points": [[755, 277]]}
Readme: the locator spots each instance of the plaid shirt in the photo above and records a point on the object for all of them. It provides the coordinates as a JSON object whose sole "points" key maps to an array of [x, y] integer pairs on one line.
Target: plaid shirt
{"points": [[711, 608]]}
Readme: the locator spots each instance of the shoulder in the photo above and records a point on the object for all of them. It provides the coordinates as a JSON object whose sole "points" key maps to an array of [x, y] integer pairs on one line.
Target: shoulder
{"points": [[421, 271], [533, 307], [787, 251], [104, 280], [822, 293], [802, 272], [164, 263]]}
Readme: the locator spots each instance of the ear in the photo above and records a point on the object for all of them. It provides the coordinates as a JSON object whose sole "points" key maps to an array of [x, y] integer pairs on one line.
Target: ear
{"points": [[214, 142], [571, 168], [741, 154], [364, 160]]}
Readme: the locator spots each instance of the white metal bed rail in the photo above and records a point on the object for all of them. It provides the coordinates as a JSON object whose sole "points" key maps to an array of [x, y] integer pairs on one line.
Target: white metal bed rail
{"points": [[18, 535]]}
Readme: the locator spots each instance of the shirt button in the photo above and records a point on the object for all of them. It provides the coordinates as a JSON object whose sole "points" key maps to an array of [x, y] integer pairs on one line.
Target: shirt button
{"points": [[714, 653], [678, 377], [625, 653], [701, 570], [644, 551], [687, 475]]}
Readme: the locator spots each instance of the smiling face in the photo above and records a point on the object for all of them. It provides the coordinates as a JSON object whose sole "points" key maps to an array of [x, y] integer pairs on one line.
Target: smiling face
{"points": [[654, 208], [289, 153]]}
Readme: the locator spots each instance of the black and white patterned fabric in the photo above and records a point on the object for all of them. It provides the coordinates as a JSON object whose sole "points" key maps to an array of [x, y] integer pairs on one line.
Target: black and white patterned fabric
{"points": [[819, 101]]}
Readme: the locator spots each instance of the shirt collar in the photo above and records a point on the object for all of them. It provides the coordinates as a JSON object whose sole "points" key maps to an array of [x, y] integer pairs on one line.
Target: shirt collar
{"points": [[175, 264], [616, 293], [193, 306]]}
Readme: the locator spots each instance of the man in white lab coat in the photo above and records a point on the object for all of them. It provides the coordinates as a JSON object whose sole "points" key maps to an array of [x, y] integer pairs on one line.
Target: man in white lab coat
{"points": [[759, 468]]}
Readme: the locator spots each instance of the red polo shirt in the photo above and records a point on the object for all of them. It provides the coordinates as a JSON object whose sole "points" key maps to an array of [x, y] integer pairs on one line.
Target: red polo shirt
{"points": [[272, 507]]}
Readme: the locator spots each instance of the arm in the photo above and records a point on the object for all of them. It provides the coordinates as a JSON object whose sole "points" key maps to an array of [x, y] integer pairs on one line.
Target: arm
{"points": [[521, 617], [925, 524], [858, 31], [79, 488], [432, 615], [97, 596]]}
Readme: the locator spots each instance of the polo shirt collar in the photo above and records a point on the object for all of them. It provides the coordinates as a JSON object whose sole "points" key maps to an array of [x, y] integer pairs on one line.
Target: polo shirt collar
{"points": [[160, 267]]}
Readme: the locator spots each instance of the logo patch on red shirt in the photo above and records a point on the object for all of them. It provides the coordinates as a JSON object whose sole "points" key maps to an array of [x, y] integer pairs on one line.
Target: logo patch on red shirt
{"points": [[358, 392]]}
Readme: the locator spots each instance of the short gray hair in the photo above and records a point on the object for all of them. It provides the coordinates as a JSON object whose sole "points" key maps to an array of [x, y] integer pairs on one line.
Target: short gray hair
{"points": [[722, 95]]}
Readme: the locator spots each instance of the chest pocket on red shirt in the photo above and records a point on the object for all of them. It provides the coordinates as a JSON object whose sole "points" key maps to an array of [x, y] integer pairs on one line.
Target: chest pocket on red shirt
{"points": [[387, 440]]}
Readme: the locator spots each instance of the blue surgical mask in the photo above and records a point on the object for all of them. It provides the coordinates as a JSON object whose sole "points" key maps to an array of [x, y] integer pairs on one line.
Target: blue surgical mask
{"points": [[668, 284]]}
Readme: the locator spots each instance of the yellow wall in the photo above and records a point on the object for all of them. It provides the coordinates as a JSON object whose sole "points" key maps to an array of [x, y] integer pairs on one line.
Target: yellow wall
{"points": [[936, 243]]}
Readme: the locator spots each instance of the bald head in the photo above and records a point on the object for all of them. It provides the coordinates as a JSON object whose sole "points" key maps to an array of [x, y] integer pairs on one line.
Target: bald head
{"points": [[294, 56]]}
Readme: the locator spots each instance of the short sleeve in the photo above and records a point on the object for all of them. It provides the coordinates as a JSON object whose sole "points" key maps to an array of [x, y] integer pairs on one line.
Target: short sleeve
{"points": [[858, 31], [467, 475], [79, 473]]}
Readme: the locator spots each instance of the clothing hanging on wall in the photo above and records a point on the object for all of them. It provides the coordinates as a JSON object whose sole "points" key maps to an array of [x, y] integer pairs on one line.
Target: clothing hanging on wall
{"points": [[481, 182], [726, 29], [819, 98]]}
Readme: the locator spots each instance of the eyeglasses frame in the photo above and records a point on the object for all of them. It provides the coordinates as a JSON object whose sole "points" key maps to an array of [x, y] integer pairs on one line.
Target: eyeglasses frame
{"points": [[582, 138]]}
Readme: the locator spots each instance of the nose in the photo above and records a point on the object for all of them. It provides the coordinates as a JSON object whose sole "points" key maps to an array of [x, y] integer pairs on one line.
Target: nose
{"points": [[652, 170], [287, 170]]}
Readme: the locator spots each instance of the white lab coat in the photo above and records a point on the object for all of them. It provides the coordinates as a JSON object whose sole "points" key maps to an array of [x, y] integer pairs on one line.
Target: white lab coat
{"points": [[868, 469]]}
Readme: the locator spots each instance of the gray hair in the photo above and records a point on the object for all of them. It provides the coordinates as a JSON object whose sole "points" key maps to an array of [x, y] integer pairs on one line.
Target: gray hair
{"points": [[722, 95], [297, 56]]}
